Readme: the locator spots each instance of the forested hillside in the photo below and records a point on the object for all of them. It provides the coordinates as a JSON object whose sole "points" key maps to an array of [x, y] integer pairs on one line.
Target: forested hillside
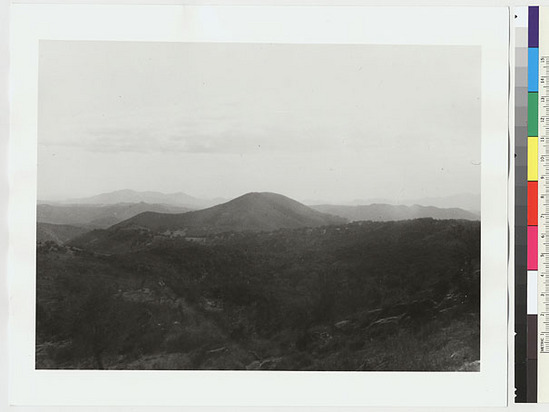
{"points": [[360, 296]]}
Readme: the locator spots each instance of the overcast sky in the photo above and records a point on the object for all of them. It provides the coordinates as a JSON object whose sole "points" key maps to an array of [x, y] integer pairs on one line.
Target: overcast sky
{"points": [[314, 122]]}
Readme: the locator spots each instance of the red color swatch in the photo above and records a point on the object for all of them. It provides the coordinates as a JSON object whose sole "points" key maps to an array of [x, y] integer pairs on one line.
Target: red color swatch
{"points": [[532, 203]]}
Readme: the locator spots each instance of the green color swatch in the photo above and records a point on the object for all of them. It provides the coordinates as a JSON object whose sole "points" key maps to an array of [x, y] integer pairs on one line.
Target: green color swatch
{"points": [[532, 114]]}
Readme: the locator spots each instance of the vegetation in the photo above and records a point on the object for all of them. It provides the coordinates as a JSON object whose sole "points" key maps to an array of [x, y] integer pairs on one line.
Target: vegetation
{"points": [[57, 233], [398, 295]]}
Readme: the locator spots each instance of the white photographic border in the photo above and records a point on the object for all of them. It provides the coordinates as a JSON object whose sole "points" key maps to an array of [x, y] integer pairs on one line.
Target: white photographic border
{"points": [[484, 27]]}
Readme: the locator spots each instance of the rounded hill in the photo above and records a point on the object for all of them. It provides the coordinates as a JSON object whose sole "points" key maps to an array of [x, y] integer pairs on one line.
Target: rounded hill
{"points": [[251, 212]]}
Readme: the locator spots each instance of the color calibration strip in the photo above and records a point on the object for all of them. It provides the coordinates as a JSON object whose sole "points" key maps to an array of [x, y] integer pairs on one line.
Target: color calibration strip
{"points": [[532, 221], [532, 280], [526, 203]]}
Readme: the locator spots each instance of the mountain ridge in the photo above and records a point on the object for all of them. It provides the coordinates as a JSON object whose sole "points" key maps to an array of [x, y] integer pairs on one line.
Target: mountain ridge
{"points": [[387, 212], [134, 196], [93, 216], [254, 211]]}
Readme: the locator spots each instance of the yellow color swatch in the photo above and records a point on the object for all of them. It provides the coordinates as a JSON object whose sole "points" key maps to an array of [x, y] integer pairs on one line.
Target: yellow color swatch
{"points": [[532, 158]]}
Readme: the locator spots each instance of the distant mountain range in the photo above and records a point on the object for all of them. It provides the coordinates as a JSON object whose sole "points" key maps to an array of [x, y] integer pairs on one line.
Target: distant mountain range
{"points": [[132, 196], [385, 212], [466, 201], [254, 212], [250, 212], [98, 216]]}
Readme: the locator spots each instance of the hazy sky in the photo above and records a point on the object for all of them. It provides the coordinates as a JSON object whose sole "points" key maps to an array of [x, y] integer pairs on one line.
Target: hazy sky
{"points": [[323, 122]]}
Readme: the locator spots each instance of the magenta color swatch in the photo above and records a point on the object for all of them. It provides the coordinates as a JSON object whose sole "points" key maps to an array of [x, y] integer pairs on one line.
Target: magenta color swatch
{"points": [[532, 248]]}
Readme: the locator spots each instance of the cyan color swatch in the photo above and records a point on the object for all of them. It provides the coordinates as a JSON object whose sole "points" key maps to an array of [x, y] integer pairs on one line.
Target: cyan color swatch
{"points": [[533, 62]]}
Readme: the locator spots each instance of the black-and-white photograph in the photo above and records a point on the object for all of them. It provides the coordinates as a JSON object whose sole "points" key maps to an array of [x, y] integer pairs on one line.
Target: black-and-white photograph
{"points": [[258, 206]]}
